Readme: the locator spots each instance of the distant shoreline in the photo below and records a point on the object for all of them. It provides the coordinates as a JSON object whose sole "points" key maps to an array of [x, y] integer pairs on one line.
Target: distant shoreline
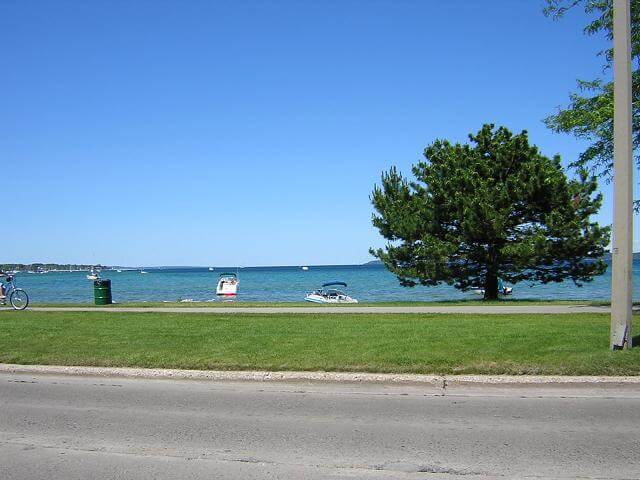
{"points": [[43, 268], [56, 267]]}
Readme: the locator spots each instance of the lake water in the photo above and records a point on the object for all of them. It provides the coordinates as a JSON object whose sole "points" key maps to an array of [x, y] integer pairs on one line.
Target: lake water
{"points": [[367, 283]]}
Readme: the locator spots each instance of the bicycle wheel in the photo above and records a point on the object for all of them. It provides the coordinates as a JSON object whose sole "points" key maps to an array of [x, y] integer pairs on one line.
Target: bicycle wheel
{"points": [[19, 299]]}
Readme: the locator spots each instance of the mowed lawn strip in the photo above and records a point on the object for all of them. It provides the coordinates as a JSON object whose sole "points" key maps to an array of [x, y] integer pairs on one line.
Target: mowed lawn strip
{"points": [[568, 344]]}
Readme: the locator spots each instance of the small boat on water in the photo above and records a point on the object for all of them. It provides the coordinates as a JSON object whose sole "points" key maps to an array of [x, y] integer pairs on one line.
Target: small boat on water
{"points": [[305, 268], [227, 285], [142, 271], [502, 289], [94, 275], [330, 295], [211, 269]]}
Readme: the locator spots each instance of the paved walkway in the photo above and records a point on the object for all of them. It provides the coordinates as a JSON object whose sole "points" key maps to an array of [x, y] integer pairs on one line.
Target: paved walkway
{"points": [[473, 309]]}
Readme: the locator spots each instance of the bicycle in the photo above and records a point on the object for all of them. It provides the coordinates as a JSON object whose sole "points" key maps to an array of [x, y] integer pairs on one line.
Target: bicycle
{"points": [[18, 298]]}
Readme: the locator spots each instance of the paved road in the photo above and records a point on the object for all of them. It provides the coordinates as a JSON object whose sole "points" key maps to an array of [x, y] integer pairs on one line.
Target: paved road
{"points": [[475, 309], [105, 428]]}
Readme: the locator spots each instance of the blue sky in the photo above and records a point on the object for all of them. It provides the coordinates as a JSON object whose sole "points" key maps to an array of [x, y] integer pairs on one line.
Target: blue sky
{"points": [[252, 132]]}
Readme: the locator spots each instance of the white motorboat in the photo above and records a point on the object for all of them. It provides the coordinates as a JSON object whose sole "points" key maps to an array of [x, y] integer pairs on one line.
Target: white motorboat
{"points": [[211, 269], [502, 289], [227, 285], [305, 268], [94, 275], [330, 295]]}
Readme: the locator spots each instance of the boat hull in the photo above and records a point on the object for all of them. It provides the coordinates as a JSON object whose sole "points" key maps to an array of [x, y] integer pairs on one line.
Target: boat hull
{"points": [[504, 291], [321, 299], [227, 288]]}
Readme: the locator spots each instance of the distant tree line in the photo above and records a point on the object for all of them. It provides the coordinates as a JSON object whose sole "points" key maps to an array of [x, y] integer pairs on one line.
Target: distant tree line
{"points": [[39, 267]]}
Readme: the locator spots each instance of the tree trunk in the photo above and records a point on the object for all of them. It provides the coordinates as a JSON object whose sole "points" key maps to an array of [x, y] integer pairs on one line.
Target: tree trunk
{"points": [[491, 286]]}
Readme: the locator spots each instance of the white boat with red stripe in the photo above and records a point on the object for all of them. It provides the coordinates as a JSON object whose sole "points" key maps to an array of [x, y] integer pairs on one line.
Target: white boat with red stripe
{"points": [[228, 285]]}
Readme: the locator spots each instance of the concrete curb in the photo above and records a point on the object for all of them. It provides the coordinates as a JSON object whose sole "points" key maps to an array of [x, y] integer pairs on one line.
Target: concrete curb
{"points": [[222, 375], [436, 381]]}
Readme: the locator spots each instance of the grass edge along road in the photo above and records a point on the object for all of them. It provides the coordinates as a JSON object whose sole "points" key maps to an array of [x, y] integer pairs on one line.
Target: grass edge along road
{"points": [[565, 344]]}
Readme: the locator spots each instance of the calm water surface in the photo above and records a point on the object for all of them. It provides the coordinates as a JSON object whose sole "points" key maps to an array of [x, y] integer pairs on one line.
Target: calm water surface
{"points": [[367, 283]]}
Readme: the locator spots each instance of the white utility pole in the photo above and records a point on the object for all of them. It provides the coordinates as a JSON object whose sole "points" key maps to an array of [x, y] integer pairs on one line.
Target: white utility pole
{"points": [[621, 300]]}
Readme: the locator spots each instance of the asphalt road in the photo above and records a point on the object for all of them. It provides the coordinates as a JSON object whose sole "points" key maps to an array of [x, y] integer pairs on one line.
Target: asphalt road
{"points": [[474, 309], [65, 427]]}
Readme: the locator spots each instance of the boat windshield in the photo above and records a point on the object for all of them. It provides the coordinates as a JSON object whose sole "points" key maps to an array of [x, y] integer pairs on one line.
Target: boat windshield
{"points": [[330, 293], [335, 293]]}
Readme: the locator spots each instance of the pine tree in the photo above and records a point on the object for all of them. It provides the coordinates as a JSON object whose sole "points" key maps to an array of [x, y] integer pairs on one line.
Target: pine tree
{"points": [[492, 209]]}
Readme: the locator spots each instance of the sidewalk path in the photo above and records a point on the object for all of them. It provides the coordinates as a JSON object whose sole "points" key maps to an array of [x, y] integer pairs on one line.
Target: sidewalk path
{"points": [[458, 309]]}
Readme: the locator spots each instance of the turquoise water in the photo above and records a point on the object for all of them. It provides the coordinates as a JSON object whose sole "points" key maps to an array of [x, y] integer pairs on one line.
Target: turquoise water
{"points": [[367, 283]]}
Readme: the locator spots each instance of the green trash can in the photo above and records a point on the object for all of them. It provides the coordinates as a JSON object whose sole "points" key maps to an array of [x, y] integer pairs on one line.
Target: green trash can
{"points": [[102, 292]]}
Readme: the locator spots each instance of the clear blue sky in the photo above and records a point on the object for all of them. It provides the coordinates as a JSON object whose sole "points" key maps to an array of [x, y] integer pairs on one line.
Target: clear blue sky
{"points": [[252, 132]]}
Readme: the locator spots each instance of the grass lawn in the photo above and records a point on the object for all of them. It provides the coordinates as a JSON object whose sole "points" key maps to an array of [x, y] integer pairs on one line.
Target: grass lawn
{"points": [[491, 344]]}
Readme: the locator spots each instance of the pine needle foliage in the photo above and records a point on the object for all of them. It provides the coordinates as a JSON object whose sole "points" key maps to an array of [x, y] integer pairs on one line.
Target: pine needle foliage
{"points": [[494, 208], [589, 113]]}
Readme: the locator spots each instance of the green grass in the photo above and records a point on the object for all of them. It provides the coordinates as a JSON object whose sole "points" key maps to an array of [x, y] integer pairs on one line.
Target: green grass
{"points": [[574, 344], [236, 304]]}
